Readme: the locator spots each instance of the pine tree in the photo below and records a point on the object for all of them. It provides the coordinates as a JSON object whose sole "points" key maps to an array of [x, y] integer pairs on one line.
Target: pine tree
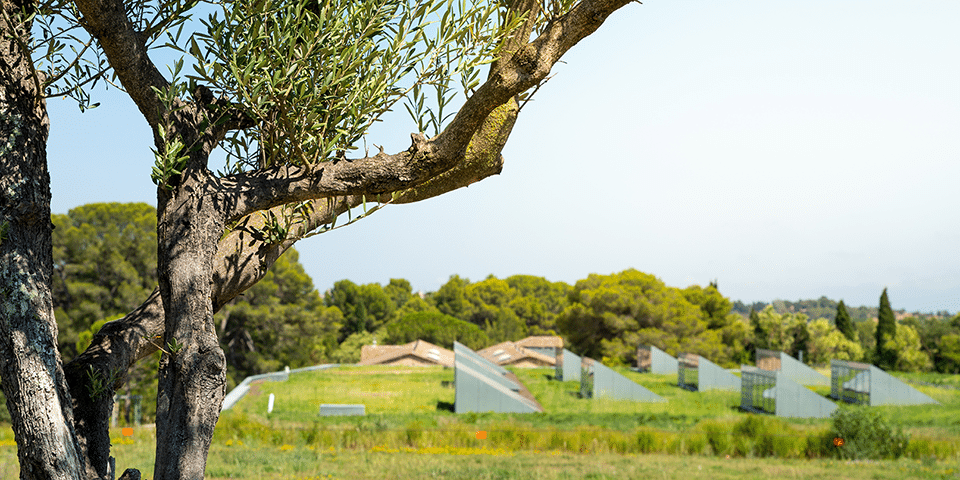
{"points": [[886, 330], [843, 322]]}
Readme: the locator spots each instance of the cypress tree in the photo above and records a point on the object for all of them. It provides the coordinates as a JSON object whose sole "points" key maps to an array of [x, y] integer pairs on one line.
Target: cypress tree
{"points": [[886, 330], [843, 322]]}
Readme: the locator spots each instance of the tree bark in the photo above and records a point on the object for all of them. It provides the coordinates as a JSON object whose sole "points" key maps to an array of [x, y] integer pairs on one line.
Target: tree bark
{"points": [[30, 365], [192, 383]]}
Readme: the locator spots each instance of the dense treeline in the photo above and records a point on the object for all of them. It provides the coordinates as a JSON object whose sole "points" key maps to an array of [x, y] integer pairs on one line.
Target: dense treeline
{"points": [[824, 307], [609, 315], [105, 264]]}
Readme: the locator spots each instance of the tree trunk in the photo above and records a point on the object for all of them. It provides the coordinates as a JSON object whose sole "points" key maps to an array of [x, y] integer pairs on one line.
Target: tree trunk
{"points": [[193, 367], [30, 365]]}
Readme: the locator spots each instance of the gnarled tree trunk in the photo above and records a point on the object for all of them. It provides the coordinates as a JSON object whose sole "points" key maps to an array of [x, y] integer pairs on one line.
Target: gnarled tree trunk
{"points": [[193, 367], [30, 365]]}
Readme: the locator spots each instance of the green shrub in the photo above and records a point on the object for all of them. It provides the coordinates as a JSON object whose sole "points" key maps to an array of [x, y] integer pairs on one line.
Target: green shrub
{"points": [[695, 443], [751, 426], [757, 435], [718, 437], [789, 446], [239, 426], [862, 433], [742, 446], [819, 445], [350, 438], [414, 432], [646, 441], [521, 440], [587, 440], [618, 442], [557, 441], [926, 448], [312, 434]]}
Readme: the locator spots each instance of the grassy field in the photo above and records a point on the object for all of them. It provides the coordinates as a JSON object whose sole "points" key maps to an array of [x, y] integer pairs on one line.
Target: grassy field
{"points": [[396, 396], [410, 431], [238, 460]]}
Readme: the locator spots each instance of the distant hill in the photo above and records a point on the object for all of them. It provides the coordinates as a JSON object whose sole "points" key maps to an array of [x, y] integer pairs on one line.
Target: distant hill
{"points": [[823, 307]]}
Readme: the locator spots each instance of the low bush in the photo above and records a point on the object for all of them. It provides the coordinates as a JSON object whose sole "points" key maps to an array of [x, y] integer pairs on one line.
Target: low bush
{"points": [[862, 433], [819, 444], [413, 433], [695, 443], [718, 437], [764, 436], [925, 448], [647, 441]]}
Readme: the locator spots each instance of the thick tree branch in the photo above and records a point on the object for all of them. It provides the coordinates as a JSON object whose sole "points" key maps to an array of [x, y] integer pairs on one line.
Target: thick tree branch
{"points": [[529, 65], [248, 192], [482, 158], [126, 50]]}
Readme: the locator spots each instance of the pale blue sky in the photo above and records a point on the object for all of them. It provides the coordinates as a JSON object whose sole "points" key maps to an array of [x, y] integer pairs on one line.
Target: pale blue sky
{"points": [[788, 149]]}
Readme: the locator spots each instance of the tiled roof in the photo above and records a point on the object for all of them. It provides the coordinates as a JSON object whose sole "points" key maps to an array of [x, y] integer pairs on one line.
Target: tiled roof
{"points": [[541, 341], [508, 353], [368, 352], [380, 354], [689, 360]]}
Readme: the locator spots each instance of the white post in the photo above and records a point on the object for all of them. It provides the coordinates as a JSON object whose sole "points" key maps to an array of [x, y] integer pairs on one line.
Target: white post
{"points": [[270, 403]]}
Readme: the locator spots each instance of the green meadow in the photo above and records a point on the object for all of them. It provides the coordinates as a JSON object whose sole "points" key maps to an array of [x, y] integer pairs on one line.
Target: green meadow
{"points": [[395, 396], [410, 431]]}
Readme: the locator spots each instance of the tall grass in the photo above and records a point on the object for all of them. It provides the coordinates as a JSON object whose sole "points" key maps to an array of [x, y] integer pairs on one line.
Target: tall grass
{"points": [[749, 436], [333, 454]]}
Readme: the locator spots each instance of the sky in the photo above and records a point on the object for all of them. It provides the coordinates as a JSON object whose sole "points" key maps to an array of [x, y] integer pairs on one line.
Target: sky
{"points": [[787, 150]]}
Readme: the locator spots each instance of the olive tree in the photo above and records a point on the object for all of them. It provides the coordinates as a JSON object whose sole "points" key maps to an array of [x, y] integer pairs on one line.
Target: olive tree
{"points": [[289, 89]]}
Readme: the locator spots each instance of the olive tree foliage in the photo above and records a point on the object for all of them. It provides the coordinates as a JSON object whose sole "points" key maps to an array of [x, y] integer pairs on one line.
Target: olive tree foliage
{"points": [[288, 90], [336, 67]]}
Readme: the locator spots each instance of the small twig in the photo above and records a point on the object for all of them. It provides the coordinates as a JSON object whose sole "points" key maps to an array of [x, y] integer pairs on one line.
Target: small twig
{"points": [[81, 84], [535, 89], [51, 81], [149, 340]]}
